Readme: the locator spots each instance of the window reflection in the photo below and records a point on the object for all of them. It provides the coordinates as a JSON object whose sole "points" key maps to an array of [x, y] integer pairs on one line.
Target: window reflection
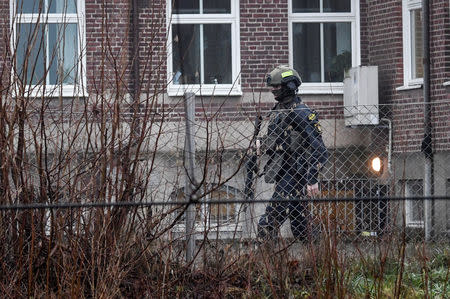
{"points": [[217, 53], [337, 46], [310, 6], [303, 6], [186, 53], [31, 49], [186, 6], [63, 53], [307, 51], [337, 53], [416, 44], [216, 6]]}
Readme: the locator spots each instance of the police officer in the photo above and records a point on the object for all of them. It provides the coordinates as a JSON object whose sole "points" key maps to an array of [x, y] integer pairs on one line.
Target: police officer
{"points": [[296, 153]]}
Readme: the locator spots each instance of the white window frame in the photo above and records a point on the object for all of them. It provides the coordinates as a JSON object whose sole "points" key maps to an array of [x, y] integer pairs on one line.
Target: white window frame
{"points": [[352, 17], [233, 89], [65, 90], [408, 81], [409, 204]]}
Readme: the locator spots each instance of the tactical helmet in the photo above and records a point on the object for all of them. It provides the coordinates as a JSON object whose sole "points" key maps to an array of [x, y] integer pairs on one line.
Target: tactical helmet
{"points": [[284, 75]]}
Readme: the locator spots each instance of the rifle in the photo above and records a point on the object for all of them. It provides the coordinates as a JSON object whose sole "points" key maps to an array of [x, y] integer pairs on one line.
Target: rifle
{"points": [[251, 165]]}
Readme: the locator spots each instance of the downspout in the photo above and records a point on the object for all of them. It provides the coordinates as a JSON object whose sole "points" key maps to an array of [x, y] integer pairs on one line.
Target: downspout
{"points": [[135, 130], [427, 148], [389, 149], [135, 33]]}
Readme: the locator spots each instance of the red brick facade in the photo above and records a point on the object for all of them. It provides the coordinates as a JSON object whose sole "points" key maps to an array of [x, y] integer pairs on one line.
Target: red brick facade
{"points": [[263, 45], [385, 49], [264, 39]]}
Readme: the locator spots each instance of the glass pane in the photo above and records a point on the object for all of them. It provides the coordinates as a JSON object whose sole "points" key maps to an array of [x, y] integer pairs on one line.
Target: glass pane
{"points": [[222, 213], [186, 53], [338, 50], [305, 6], [63, 54], [30, 6], [337, 5], [415, 207], [216, 6], [416, 44], [185, 7], [31, 50], [62, 6], [217, 53], [307, 51]]}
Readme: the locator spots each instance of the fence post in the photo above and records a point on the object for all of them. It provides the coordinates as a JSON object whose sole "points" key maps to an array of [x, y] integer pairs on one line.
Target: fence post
{"points": [[428, 191], [189, 158]]}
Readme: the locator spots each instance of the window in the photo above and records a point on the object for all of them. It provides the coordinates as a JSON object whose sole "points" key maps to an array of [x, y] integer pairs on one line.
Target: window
{"points": [[412, 43], [47, 40], [221, 216], [361, 215], [324, 38], [203, 47], [414, 208]]}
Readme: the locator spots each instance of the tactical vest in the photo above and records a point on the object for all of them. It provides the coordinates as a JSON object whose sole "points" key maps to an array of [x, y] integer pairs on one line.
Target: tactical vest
{"points": [[281, 140]]}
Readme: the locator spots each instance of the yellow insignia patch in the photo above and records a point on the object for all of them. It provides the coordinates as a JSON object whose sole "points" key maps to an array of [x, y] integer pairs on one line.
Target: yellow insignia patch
{"points": [[286, 74], [312, 116], [318, 127]]}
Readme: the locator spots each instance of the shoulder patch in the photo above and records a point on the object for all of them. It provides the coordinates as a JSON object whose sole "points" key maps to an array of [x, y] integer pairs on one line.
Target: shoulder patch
{"points": [[318, 127], [312, 116]]}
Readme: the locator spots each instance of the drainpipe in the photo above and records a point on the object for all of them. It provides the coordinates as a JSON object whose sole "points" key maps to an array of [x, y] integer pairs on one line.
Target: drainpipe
{"points": [[135, 125], [427, 140], [135, 28], [389, 149]]}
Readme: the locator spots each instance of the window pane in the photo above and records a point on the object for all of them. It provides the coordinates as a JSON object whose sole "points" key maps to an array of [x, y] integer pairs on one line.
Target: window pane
{"points": [[63, 54], [307, 51], [415, 208], [62, 6], [185, 6], [217, 53], [338, 50], [186, 53], [30, 6], [31, 50], [337, 5], [216, 6], [222, 213], [416, 44], [305, 6]]}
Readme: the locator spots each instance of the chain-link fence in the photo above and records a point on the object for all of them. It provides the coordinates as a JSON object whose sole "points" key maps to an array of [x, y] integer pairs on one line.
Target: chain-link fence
{"points": [[88, 194]]}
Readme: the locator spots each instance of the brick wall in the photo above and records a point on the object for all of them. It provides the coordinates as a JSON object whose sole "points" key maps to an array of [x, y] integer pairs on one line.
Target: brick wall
{"points": [[107, 45], [440, 72], [152, 46], [385, 46], [264, 44], [385, 49], [264, 39], [4, 43], [364, 32]]}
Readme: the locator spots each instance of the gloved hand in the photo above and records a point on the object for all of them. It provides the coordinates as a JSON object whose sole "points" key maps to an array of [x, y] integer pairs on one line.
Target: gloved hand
{"points": [[313, 190]]}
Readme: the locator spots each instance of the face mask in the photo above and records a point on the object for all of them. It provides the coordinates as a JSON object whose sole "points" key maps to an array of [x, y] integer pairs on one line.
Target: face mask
{"points": [[278, 93], [282, 93]]}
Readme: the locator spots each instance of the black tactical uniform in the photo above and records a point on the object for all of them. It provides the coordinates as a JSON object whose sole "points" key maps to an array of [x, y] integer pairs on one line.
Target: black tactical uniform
{"points": [[296, 153]]}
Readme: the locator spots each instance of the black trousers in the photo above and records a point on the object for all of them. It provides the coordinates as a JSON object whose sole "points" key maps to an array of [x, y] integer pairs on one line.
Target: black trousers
{"points": [[277, 212]]}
